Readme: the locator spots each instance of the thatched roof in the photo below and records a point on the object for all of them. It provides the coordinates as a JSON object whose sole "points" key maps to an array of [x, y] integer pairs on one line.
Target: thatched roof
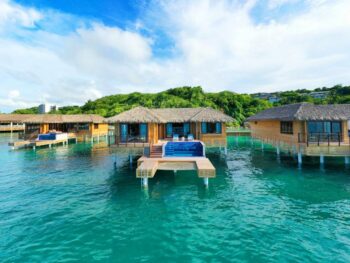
{"points": [[145, 115], [51, 118], [305, 112], [17, 118], [211, 115], [136, 115]]}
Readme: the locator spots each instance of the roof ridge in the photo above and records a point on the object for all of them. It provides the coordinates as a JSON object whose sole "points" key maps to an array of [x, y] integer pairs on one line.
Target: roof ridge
{"points": [[201, 109], [301, 105], [152, 113]]}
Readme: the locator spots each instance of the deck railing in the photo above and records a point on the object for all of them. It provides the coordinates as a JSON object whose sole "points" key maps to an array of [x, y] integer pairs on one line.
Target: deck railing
{"points": [[320, 138], [127, 140]]}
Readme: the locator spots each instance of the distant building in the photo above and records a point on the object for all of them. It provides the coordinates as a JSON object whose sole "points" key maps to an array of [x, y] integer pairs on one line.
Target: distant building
{"points": [[274, 99], [267, 96], [262, 96], [319, 94], [46, 108]]}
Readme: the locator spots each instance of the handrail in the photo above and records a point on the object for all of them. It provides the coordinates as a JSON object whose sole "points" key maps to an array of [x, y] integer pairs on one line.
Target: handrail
{"points": [[203, 148], [130, 140], [163, 149], [320, 137]]}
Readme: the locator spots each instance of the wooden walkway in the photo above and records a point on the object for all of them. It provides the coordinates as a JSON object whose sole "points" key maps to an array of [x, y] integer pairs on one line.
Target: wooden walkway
{"points": [[35, 143], [147, 167]]}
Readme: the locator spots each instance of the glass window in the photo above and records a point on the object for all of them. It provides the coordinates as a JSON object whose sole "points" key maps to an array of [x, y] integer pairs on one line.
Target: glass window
{"points": [[96, 126], [218, 127], [123, 132], [211, 127], [324, 126], [186, 128], [287, 127], [169, 130], [83, 126], [336, 127], [143, 131], [327, 126], [204, 127]]}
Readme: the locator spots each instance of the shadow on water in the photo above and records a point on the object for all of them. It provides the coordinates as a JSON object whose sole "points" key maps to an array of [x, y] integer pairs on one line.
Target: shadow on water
{"points": [[281, 175]]}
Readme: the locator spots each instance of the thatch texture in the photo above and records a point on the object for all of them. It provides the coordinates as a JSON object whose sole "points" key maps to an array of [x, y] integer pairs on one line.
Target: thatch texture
{"points": [[176, 114], [17, 118], [136, 115], [305, 112], [211, 115], [145, 115], [51, 118]]}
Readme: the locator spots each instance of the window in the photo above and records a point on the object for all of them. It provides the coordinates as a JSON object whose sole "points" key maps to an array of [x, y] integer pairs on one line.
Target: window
{"points": [[96, 126], [324, 127], [181, 129], [211, 127], [83, 126], [133, 132], [287, 127]]}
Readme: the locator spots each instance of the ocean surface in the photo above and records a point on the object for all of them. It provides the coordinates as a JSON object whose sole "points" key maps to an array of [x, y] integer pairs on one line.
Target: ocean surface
{"points": [[69, 204]]}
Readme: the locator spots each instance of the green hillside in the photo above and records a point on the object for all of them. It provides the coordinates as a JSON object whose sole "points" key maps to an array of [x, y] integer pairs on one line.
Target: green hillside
{"points": [[239, 106]]}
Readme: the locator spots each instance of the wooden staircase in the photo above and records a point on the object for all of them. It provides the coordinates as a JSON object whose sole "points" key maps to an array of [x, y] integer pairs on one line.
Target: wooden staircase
{"points": [[156, 151]]}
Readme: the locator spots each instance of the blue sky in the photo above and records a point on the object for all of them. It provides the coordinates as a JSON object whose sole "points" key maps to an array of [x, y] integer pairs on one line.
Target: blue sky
{"points": [[68, 51]]}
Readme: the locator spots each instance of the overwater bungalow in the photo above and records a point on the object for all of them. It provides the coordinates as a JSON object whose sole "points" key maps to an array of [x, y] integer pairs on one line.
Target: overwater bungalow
{"points": [[12, 122], [172, 138], [79, 126], [307, 129], [47, 128]]}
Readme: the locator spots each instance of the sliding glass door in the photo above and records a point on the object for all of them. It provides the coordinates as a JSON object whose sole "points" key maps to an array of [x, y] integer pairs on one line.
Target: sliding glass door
{"points": [[323, 131], [180, 129], [133, 132]]}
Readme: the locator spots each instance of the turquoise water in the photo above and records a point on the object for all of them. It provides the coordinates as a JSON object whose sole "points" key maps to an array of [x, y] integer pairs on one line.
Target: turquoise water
{"points": [[69, 204]]}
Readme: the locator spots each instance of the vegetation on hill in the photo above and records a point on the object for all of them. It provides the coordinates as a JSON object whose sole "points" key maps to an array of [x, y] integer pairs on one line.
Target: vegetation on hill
{"points": [[239, 106], [335, 95], [33, 110]]}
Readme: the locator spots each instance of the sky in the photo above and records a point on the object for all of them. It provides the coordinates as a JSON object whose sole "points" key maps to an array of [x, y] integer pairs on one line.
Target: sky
{"points": [[65, 52]]}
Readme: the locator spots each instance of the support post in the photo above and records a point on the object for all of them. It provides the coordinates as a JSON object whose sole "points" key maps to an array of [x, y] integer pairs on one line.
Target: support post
{"points": [[321, 159], [225, 150], [300, 158], [347, 160], [34, 148], [262, 146], [145, 181], [11, 125], [130, 160], [115, 161], [206, 181], [278, 150], [50, 145]]}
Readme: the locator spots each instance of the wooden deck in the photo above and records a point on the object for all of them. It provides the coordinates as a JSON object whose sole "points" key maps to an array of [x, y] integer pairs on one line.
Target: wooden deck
{"points": [[147, 167], [11, 129], [35, 143]]}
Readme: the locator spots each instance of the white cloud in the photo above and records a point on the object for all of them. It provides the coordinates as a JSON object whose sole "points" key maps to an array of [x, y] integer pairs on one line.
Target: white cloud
{"points": [[14, 94], [11, 13], [223, 48], [216, 44]]}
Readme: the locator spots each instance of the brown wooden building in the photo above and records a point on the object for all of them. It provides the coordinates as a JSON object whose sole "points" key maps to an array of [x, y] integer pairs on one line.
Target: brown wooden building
{"points": [[140, 126], [80, 126], [320, 130], [12, 122]]}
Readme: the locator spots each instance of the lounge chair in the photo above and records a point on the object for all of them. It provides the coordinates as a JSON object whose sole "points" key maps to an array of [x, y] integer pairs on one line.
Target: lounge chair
{"points": [[175, 137], [190, 137]]}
